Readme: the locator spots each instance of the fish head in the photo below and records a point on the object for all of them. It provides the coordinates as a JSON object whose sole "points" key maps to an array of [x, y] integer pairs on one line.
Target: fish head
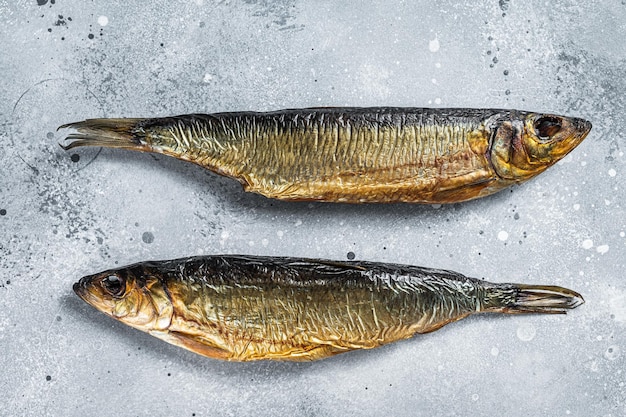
{"points": [[526, 144], [136, 298]]}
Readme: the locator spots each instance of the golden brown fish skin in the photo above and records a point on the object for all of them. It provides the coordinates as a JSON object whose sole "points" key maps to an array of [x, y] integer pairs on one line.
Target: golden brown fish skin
{"points": [[244, 308], [355, 155]]}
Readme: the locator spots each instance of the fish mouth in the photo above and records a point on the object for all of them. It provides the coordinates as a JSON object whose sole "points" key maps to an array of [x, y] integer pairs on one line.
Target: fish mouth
{"points": [[578, 129], [81, 290], [582, 126]]}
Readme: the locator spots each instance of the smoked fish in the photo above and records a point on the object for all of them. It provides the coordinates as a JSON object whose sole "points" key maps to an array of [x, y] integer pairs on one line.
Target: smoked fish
{"points": [[244, 308], [354, 155]]}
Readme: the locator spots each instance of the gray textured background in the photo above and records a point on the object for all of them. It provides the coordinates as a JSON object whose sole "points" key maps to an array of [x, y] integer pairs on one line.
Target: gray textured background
{"points": [[64, 216]]}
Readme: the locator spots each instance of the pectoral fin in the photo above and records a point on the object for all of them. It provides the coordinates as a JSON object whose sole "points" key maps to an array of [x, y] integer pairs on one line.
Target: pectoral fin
{"points": [[193, 343]]}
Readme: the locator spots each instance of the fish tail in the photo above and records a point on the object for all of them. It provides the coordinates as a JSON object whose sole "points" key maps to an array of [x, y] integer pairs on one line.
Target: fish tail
{"points": [[111, 133], [520, 298]]}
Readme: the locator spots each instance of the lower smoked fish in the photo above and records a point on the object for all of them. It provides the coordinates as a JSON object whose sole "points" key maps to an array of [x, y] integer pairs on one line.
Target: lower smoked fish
{"points": [[378, 154], [243, 308]]}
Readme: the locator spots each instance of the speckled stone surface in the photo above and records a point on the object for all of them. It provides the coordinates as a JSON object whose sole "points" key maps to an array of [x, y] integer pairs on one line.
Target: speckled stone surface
{"points": [[67, 214]]}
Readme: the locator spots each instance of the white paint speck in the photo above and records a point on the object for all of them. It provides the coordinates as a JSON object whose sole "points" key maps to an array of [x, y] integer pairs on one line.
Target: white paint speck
{"points": [[251, 243], [503, 235], [433, 45], [599, 338], [437, 100], [607, 202], [436, 206], [475, 397], [437, 64], [583, 163], [602, 249], [622, 234], [526, 332], [103, 20], [207, 78], [298, 222], [587, 244], [495, 351], [433, 80], [576, 207], [280, 233], [265, 242], [612, 172], [225, 234]]}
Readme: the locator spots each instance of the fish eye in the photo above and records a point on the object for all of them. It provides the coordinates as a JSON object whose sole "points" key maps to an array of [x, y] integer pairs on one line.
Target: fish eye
{"points": [[114, 285], [547, 127]]}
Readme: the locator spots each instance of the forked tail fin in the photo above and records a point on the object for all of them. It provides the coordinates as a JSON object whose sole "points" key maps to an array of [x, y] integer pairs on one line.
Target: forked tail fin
{"points": [[111, 133], [520, 298]]}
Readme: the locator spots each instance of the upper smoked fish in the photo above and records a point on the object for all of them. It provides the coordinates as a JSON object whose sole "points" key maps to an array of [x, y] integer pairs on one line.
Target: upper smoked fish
{"points": [[354, 155], [243, 308]]}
